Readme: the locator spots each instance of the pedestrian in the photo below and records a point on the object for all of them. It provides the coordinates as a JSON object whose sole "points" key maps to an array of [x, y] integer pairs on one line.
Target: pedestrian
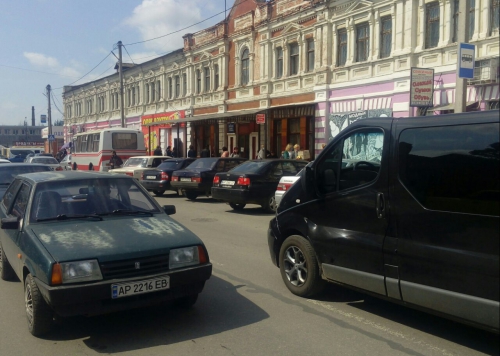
{"points": [[323, 145], [115, 161], [236, 152], [191, 152], [169, 152], [262, 152], [295, 153], [286, 154], [225, 152], [158, 151], [205, 152]]}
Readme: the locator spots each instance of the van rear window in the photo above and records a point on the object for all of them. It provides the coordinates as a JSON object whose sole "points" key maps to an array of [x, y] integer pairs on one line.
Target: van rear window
{"points": [[453, 169]]}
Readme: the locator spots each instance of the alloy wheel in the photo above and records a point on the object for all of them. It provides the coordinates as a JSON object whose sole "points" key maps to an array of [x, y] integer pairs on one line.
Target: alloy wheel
{"points": [[295, 266]]}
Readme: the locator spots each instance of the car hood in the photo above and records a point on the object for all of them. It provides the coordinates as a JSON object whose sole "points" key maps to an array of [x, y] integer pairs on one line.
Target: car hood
{"points": [[114, 238]]}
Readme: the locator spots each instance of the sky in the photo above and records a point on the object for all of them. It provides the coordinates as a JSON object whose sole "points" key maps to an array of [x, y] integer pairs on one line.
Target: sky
{"points": [[69, 42]]}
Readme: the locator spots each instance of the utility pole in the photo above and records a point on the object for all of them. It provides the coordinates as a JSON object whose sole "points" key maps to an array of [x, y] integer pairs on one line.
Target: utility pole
{"points": [[120, 73], [462, 37], [49, 119]]}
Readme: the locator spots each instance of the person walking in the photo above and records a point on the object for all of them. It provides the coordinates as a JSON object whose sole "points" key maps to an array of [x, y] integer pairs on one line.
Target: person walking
{"points": [[288, 150], [262, 152], [295, 152], [157, 151], [169, 152], [191, 152], [205, 152], [115, 161], [236, 152], [225, 152]]}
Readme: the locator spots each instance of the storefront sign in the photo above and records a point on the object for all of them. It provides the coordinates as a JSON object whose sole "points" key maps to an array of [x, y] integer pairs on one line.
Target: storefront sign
{"points": [[260, 118], [29, 143], [422, 87], [231, 127], [162, 118]]}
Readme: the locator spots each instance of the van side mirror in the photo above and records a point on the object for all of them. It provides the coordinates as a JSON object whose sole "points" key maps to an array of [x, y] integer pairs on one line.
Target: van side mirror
{"points": [[169, 209], [9, 223]]}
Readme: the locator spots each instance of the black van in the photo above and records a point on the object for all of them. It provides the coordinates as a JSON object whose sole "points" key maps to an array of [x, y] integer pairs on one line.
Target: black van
{"points": [[404, 209]]}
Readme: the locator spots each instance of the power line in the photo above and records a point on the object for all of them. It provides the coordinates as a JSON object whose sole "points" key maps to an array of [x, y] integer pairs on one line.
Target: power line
{"points": [[53, 100], [128, 54], [36, 71]]}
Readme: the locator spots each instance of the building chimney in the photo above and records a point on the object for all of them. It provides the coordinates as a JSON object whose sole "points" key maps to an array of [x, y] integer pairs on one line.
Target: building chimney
{"points": [[32, 116]]}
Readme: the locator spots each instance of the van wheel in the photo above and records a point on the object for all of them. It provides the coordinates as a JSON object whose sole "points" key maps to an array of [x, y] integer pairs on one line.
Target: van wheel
{"points": [[191, 195], [38, 312], [236, 206], [299, 267], [6, 271], [270, 205], [91, 167]]}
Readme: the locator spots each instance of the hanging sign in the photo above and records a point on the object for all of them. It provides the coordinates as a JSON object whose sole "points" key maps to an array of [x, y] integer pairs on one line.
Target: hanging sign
{"points": [[422, 87], [260, 118]]}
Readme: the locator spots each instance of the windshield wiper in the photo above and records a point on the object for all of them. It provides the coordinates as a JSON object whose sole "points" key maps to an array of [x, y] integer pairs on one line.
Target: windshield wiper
{"points": [[66, 217], [131, 212]]}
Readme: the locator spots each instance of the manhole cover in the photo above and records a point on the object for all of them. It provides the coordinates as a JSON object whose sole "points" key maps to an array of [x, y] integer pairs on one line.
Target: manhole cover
{"points": [[204, 220]]}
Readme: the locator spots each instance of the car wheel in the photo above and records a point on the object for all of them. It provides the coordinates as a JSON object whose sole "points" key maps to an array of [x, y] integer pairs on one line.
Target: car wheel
{"points": [[158, 193], [38, 312], [236, 206], [191, 195], [270, 205], [299, 267], [186, 302], [6, 271]]}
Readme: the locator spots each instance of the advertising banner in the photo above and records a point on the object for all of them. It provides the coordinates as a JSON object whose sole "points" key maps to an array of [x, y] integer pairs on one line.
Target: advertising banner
{"points": [[339, 121], [163, 118], [422, 87]]}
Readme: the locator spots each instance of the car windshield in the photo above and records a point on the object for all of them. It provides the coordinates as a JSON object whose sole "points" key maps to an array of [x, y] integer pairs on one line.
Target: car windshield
{"points": [[44, 160], [250, 167], [170, 164], [101, 196], [208, 163], [136, 162]]}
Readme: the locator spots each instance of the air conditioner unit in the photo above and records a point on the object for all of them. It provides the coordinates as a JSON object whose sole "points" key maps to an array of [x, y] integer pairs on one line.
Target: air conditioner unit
{"points": [[486, 71]]}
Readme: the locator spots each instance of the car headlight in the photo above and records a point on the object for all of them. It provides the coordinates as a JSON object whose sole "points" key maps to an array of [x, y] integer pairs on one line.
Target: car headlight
{"points": [[77, 271], [182, 257]]}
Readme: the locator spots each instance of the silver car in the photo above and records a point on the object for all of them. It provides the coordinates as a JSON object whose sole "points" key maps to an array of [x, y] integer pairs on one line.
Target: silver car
{"points": [[283, 186]]}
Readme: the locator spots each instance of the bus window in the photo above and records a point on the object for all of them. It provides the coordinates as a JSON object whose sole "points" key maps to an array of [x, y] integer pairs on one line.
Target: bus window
{"points": [[124, 141], [95, 142]]}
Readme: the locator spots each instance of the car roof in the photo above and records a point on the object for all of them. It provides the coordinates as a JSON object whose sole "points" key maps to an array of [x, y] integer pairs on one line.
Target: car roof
{"points": [[69, 175], [150, 157], [7, 165]]}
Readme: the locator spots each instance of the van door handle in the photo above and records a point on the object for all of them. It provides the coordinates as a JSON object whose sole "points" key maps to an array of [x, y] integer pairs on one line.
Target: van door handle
{"points": [[380, 206]]}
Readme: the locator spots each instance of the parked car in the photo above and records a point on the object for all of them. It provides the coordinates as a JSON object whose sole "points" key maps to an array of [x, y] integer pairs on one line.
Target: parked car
{"points": [[197, 178], [9, 171], [284, 184], [415, 220], [94, 243], [48, 161], [254, 182], [66, 162], [134, 166], [158, 180], [4, 160]]}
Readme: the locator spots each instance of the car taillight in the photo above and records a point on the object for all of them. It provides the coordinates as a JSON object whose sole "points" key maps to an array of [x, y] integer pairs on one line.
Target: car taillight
{"points": [[283, 186], [175, 179], [196, 179], [164, 176], [216, 180], [243, 181]]}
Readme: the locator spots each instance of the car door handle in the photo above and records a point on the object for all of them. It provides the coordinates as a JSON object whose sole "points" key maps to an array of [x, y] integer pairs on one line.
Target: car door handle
{"points": [[380, 206]]}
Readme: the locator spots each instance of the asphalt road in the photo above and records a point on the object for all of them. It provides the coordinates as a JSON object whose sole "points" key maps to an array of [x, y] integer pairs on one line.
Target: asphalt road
{"points": [[245, 309]]}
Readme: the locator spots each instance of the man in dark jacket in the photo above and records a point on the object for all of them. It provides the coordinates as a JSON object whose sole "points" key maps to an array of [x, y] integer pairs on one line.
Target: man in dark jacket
{"points": [[115, 161], [205, 152], [158, 151]]}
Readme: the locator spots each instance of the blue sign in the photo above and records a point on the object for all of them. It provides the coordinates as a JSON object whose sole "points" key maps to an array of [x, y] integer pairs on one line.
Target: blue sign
{"points": [[51, 138], [466, 59]]}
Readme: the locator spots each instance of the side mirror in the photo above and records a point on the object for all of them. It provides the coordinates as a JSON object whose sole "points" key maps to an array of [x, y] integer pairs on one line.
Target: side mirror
{"points": [[169, 209], [9, 223]]}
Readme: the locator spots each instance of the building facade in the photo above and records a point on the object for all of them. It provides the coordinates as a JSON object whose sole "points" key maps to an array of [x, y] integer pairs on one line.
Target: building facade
{"points": [[21, 135], [310, 67]]}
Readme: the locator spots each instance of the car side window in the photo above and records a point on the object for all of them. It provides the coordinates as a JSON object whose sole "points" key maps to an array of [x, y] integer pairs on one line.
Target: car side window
{"points": [[290, 168], [10, 194], [352, 162], [21, 201]]}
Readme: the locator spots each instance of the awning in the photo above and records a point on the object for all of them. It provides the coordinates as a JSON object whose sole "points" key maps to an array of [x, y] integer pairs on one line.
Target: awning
{"points": [[451, 106], [208, 116]]}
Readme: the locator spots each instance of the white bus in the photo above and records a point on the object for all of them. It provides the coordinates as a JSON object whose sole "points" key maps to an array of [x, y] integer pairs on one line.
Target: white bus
{"points": [[92, 149]]}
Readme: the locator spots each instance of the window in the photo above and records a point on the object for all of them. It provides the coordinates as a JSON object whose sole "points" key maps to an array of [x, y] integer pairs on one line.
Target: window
{"points": [[153, 92], [207, 79], [146, 89], [452, 168], [95, 142], [138, 95], [310, 55], [177, 86], [454, 37], [386, 37], [472, 20], [244, 67], [342, 47], [294, 131], [432, 25], [198, 81], [7, 131], [170, 90], [493, 105], [362, 42], [184, 84], [11, 190], [21, 202], [279, 62], [124, 141], [294, 58], [216, 77], [495, 16], [15, 132], [158, 90], [134, 96], [472, 17]]}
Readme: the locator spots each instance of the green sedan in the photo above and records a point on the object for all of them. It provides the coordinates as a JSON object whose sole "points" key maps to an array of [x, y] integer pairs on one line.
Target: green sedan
{"points": [[85, 243]]}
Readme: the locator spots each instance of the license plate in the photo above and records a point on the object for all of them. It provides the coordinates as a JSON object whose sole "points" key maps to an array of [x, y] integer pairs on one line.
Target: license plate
{"points": [[140, 287], [227, 182], [150, 177], [185, 179]]}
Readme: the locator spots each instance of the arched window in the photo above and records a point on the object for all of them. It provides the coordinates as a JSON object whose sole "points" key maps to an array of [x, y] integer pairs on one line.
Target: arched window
{"points": [[244, 67]]}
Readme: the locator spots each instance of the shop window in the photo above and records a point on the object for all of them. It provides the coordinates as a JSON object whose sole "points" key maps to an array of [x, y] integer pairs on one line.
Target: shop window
{"points": [[310, 55], [207, 79], [294, 131], [432, 24], [245, 67], [362, 42], [495, 16], [294, 58], [386, 37], [198, 81], [342, 47], [279, 62], [216, 77], [177, 86], [184, 84]]}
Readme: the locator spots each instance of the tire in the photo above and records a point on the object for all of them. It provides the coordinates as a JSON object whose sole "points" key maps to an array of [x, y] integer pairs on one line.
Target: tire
{"points": [[91, 167], [186, 302], [38, 313], [191, 195], [237, 206], [270, 205], [6, 271], [299, 267], [158, 193]]}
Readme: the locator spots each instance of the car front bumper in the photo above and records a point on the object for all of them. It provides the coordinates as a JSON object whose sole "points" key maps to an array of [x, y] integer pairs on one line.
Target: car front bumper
{"points": [[95, 298]]}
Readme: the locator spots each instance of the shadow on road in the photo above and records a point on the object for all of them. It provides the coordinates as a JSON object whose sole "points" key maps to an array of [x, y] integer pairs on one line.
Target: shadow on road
{"points": [[219, 308], [251, 209]]}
